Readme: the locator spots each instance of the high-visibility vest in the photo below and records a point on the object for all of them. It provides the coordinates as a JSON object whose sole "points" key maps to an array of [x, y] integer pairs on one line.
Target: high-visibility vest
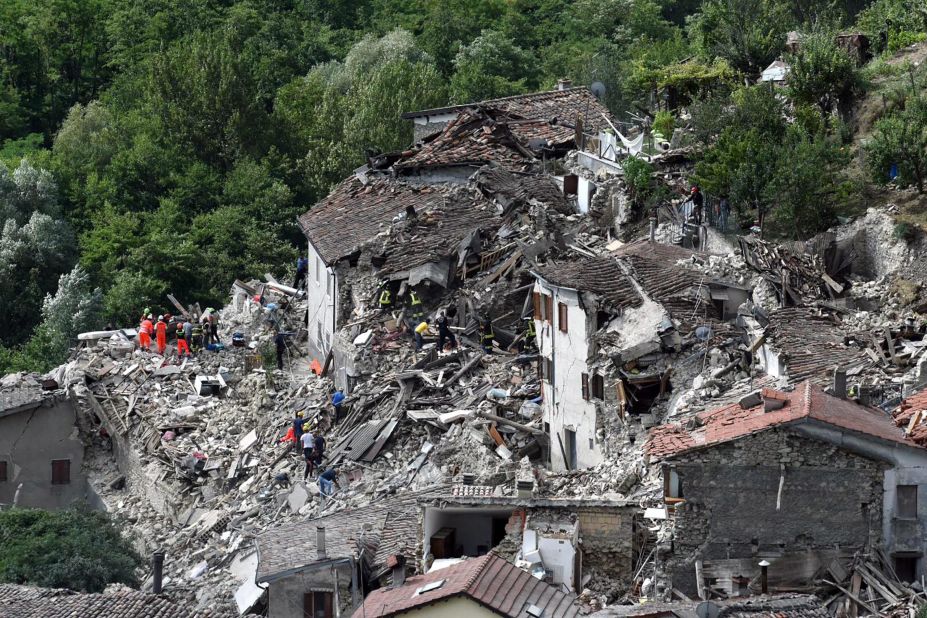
{"points": [[531, 332], [384, 297], [487, 333], [180, 332], [414, 299], [197, 330]]}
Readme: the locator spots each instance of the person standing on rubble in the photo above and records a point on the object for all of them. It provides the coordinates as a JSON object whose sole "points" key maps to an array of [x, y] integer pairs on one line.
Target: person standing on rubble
{"points": [[530, 340], [487, 335], [214, 325], [298, 430], [183, 348], [280, 343], [308, 442], [145, 330], [416, 311], [161, 334], [188, 335], [319, 450], [444, 332], [420, 331], [327, 481], [386, 299], [698, 203], [196, 335], [337, 402], [302, 270]]}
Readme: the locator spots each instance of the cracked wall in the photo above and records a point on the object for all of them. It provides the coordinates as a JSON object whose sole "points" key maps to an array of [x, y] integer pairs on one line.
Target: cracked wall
{"points": [[29, 441]]}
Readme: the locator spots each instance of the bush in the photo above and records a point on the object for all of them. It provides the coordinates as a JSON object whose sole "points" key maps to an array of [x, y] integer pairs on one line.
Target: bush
{"points": [[664, 123], [77, 549], [905, 231]]}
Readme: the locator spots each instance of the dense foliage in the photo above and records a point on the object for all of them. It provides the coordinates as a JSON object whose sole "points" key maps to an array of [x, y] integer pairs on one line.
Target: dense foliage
{"points": [[77, 549], [155, 146]]}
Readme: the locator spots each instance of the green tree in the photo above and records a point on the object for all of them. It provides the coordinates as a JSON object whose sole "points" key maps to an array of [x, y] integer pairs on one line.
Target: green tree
{"points": [[77, 549], [901, 140], [749, 34], [823, 73], [491, 66]]}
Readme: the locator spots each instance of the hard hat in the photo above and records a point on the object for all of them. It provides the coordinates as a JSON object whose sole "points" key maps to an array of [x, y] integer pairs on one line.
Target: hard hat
{"points": [[150, 317], [299, 414], [160, 317], [306, 426]]}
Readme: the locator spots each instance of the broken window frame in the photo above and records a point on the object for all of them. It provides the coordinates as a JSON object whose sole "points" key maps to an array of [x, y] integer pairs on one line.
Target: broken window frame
{"points": [[309, 604], [906, 506], [61, 472], [563, 317], [546, 370], [585, 387]]}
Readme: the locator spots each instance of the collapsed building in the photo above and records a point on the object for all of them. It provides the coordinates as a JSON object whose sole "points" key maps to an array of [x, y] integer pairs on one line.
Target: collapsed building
{"points": [[531, 449]]}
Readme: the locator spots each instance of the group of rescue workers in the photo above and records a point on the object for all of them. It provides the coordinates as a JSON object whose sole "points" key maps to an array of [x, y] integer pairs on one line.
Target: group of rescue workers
{"points": [[190, 333]]}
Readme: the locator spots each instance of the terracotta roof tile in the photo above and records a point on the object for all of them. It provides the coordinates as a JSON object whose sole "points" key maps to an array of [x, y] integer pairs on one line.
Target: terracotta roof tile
{"points": [[601, 275], [806, 402], [488, 580], [909, 408], [31, 602]]}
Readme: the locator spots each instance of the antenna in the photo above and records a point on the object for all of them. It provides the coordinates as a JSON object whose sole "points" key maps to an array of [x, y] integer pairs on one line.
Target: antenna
{"points": [[598, 90]]}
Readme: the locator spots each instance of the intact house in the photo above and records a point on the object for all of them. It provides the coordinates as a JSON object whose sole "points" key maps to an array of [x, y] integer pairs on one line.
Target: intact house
{"points": [[562, 541], [798, 478], [484, 587], [41, 454], [323, 567], [604, 325]]}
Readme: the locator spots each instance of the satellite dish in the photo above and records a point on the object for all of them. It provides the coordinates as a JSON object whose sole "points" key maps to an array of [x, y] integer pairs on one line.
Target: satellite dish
{"points": [[598, 90]]}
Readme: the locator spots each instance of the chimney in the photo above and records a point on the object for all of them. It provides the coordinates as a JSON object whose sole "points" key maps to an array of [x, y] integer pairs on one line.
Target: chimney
{"points": [[468, 478], [840, 382], [525, 488], [320, 543], [751, 401], [157, 571], [563, 83], [397, 564]]}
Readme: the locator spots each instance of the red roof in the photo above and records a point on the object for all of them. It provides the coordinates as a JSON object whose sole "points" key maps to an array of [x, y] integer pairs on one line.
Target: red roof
{"points": [[906, 412], [806, 403], [488, 580]]}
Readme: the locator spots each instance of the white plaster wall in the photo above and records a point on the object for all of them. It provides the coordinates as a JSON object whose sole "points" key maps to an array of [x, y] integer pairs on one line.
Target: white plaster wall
{"points": [[321, 296], [564, 406], [558, 556], [453, 607], [584, 192]]}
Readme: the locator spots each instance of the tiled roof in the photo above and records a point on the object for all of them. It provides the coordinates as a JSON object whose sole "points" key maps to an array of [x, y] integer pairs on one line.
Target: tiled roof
{"points": [[354, 213], [907, 410], [387, 526], [565, 105], [31, 602], [812, 343], [489, 580], [601, 275], [806, 402], [20, 391], [475, 139], [438, 231]]}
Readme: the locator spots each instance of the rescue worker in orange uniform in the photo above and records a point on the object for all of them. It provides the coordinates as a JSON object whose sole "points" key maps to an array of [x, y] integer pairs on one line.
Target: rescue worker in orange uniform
{"points": [[144, 333], [182, 347], [161, 334]]}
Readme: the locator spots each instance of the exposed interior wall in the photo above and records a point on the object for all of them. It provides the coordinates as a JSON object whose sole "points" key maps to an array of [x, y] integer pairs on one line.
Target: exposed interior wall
{"points": [[473, 527], [29, 441], [734, 507], [607, 535], [564, 406], [285, 596], [556, 540], [423, 126]]}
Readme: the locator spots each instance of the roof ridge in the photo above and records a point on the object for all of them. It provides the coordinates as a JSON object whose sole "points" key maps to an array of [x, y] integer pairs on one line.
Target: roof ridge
{"points": [[479, 570]]}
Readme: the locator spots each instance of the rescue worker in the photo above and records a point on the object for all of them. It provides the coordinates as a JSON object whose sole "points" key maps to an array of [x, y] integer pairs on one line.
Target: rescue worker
{"points": [[196, 333], [698, 203], [302, 270], [386, 299], [188, 335], [420, 331], [298, 429], [444, 332], [319, 450], [337, 401], [214, 325], [416, 311], [530, 340], [145, 330], [280, 343], [183, 348], [308, 442], [328, 481], [487, 335], [161, 333], [207, 329]]}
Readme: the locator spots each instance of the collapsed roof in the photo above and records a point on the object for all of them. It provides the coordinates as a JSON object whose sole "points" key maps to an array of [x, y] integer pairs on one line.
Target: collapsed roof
{"points": [[806, 403]]}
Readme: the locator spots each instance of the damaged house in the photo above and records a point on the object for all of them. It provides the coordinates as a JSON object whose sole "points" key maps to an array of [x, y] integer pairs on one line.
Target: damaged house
{"points": [[604, 325], [795, 478], [41, 454]]}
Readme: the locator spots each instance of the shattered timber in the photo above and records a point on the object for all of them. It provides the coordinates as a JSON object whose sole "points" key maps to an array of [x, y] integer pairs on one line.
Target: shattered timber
{"points": [[633, 413]]}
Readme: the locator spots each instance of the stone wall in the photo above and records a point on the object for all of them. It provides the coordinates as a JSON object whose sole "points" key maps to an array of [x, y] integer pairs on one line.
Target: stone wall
{"points": [[607, 535], [734, 508], [285, 596]]}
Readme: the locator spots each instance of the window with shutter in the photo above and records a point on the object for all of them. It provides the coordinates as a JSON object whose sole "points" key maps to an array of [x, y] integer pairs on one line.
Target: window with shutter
{"points": [[562, 317], [61, 471], [536, 298], [317, 604], [585, 377], [549, 308]]}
